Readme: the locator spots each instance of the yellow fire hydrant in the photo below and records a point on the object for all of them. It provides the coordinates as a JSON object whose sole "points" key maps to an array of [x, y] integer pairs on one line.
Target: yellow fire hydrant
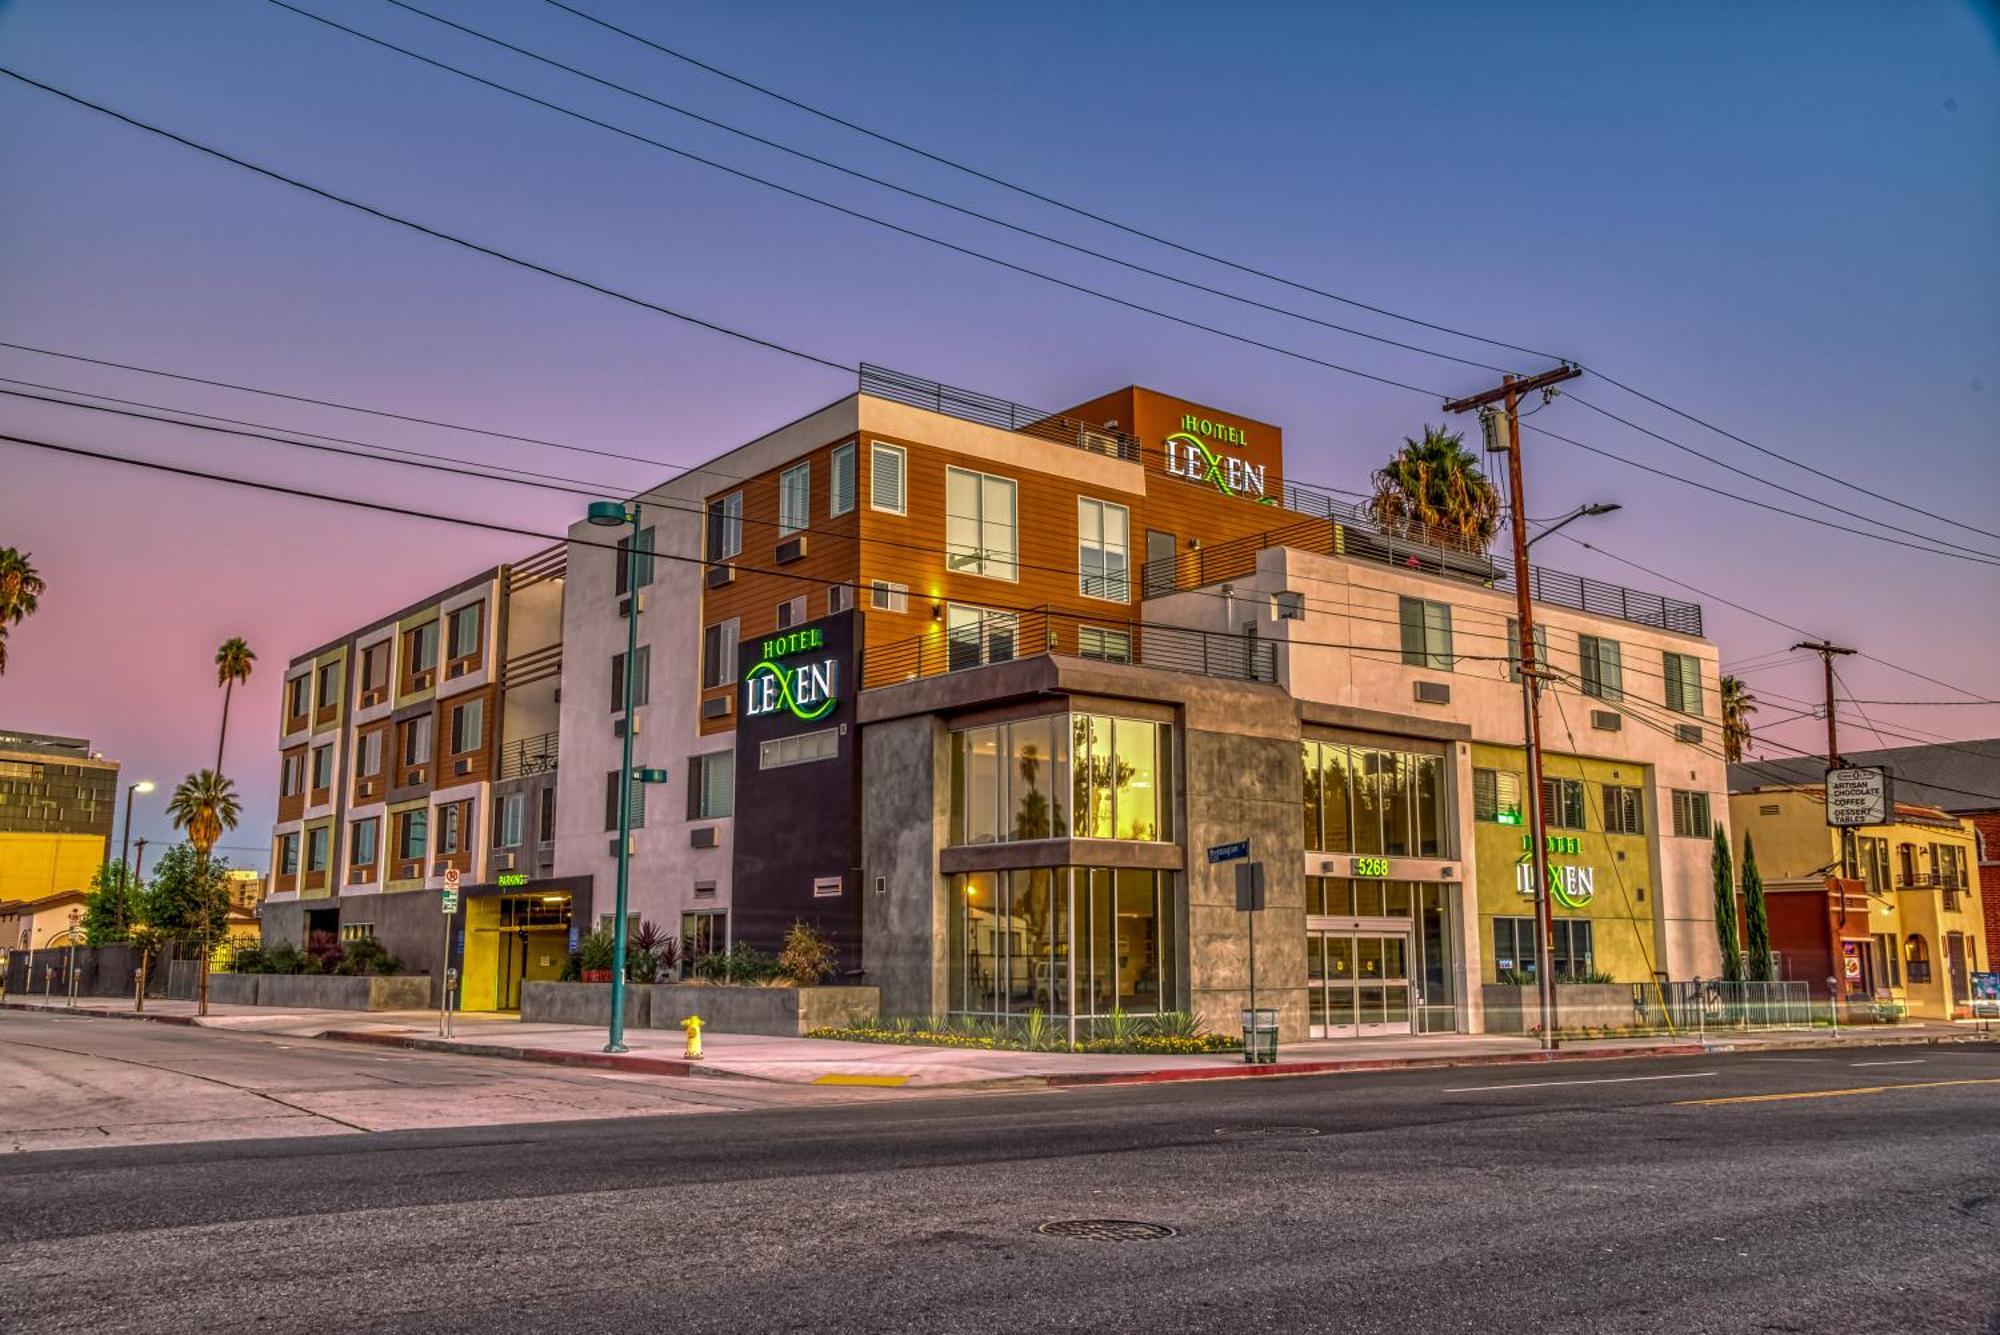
{"points": [[692, 1028]]}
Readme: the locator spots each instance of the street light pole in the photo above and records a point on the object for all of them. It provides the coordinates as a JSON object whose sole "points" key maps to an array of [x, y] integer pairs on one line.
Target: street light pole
{"points": [[1509, 394], [609, 514], [124, 871]]}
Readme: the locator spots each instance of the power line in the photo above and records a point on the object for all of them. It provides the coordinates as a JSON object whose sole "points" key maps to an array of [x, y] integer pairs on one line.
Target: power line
{"points": [[1079, 211]]}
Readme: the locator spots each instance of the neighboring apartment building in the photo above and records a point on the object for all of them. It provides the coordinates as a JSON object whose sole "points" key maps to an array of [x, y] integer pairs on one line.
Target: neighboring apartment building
{"points": [[1961, 779], [422, 742], [58, 799], [1905, 927], [974, 687]]}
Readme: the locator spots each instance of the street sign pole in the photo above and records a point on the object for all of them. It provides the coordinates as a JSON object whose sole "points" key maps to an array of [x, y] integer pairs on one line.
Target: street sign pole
{"points": [[449, 903]]}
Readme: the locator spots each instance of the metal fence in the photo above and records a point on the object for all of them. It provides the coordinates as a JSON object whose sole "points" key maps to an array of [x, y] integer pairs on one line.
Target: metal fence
{"points": [[1706, 1006], [971, 406], [1002, 637]]}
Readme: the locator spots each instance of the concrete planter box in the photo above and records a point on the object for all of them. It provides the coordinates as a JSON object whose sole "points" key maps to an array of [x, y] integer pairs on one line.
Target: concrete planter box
{"points": [[782, 1012], [403, 992], [1518, 1010], [582, 1003]]}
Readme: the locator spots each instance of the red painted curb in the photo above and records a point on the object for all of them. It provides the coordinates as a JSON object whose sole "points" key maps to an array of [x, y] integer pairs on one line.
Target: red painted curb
{"points": [[602, 1061], [1336, 1066]]}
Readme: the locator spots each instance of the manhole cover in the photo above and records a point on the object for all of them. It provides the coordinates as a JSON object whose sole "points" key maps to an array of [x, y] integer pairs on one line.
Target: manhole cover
{"points": [[1106, 1230], [1266, 1132]]}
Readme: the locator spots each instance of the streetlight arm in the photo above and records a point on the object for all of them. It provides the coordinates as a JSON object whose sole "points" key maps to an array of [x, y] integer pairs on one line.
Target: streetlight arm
{"points": [[1580, 512]]}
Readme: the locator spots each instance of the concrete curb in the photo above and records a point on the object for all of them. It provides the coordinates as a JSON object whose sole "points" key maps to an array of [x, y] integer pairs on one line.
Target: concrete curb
{"points": [[98, 1013], [601, 1061]]}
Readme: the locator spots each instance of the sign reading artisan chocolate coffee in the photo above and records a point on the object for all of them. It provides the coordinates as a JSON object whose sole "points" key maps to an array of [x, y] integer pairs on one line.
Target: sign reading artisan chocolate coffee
{"points": [[1206, 453], [794, 673]]}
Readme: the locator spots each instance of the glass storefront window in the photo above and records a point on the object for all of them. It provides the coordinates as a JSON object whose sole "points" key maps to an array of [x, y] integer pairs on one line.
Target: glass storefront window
{"points": [[1362, 800], [1087, 776], [1079, 940]]}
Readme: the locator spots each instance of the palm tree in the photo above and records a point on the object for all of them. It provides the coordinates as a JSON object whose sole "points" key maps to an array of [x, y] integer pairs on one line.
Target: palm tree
{"points": [[1438, 483], [1737, 706], [204, 804], [233, 662], [21, 588]]}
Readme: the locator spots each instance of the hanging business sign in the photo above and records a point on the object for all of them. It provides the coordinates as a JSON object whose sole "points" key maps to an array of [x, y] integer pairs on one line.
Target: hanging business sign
{"points": [[1858, 795], [807, 689], [1570, 885], [1199, 452]]}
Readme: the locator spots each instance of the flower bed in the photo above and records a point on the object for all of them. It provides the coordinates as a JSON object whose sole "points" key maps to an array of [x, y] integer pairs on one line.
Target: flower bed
{"points": [[1169, 1034]]}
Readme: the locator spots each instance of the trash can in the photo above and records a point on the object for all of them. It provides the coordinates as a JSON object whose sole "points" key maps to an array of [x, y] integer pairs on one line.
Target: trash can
{"points": [[1260, 1036]]}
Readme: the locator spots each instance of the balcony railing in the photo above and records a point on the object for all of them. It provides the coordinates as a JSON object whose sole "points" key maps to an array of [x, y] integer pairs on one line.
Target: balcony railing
{"points": [[1338, 528], [528, 755], [1002, 637], [971, 406]]}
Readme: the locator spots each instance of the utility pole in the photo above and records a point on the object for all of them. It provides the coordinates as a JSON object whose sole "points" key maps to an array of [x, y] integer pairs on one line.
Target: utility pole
{"points": [[1828, 651], [1509, 395]]}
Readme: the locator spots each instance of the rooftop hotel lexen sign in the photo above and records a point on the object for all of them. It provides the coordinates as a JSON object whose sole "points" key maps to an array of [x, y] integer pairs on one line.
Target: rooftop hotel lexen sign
{"points": [[1190, 455], [1570, 886], [807, 690]]}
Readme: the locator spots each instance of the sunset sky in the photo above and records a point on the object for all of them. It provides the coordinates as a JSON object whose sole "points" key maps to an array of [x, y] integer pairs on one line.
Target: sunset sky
{"points": [[1780, 217]]}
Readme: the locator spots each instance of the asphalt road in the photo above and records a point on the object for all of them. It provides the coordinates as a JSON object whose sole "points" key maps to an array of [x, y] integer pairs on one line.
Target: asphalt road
{"points": [[1601, 1196]]}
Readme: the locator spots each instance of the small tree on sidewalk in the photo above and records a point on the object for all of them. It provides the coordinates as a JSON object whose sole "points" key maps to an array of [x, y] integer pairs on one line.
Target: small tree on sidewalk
{"points": [[109, 912], [1756, 921], [1725, 910]]}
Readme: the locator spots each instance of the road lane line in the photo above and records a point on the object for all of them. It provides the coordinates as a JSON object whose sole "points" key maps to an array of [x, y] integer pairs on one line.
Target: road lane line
{"points": [[1833, 1093], [1552, 1084], [1906, 1061]]}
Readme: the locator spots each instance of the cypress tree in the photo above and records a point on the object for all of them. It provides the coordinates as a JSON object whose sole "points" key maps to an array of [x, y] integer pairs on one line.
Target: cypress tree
{"points": [[1725, 910], [1756, 925]]}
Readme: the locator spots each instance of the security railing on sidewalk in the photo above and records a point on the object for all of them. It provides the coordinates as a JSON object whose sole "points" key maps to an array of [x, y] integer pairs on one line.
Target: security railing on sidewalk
{"points": [[1715, 1006]]}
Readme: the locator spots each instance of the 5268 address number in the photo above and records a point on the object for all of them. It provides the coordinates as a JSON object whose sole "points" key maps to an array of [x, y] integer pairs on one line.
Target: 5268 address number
{"points": [[1371, 867]]}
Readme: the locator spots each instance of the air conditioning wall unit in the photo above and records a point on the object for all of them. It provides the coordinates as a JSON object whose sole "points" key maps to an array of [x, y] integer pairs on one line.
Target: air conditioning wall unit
{"points": [[718, 576], [1689, 733], [1433, 693], [1606, 720], [703, 836], [791, 549], [718, 706], [461, 766]]}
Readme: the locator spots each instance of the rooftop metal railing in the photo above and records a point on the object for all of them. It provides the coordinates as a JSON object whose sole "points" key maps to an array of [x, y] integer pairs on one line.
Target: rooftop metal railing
{"points": [[971, 406], [528, 755], [1002, 637]]}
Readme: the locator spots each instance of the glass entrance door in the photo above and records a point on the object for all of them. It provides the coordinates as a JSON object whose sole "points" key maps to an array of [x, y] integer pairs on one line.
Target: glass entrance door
{"points": [[1357, 984]]}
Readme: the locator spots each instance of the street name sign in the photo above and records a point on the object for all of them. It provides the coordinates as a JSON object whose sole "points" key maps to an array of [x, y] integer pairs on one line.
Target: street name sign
{"points": [[1858, 795], [1236, 852]]}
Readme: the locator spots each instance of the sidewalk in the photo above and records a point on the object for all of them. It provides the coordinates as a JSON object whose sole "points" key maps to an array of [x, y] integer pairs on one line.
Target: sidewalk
{"points": [[809, 1061]]}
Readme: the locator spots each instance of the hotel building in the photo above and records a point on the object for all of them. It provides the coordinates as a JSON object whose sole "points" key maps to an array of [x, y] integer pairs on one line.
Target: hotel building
{"points": [[974, 688]]}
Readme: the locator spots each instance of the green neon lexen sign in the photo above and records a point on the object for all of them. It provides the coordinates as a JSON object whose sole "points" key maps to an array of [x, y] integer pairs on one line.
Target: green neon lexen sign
{"points": [[807, 691]]}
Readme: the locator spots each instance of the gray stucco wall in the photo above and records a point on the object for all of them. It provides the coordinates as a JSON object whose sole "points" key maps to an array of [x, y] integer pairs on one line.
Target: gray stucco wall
{"points": [[905, 815], [582, 1003], [785, 1012]]}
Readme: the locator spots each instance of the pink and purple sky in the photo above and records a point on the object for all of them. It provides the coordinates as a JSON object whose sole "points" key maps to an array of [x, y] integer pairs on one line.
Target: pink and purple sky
{"points": [[1780, 216]]}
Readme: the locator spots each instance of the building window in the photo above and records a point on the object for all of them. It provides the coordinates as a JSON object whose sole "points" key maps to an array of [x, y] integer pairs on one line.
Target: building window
{"points": [[839, 598], [1683, 673], [884, 596], [316, 848], [703, 934], [465, 630], [1690, 814], [361, 845], [545, 820], [1872, 856], [413, 838], [288, 854], [1062, 941], [451, 821], [1514, 647], [1515, 952], [375, 667], [1917, 959], [356, 931], [507, 827], [1109, 646], [1103, 540], [792, 612], [840, 481], [711, 785], [1090, 776], [799, 749], [417, 740], [1889, 959], [885, 478], [644, 563], [1603, 667], [1496, 796], [725, 526], [322, 762], [291, 780], [328, 693], [420, 647], [1562, 804], [611, 802], [718, 653], [795, 498], [368, 754], [1624, 809], [642, 682], [467, 722], [1362, 800], [1426, 633], [976, 636], [979, 530], [295, 697]]}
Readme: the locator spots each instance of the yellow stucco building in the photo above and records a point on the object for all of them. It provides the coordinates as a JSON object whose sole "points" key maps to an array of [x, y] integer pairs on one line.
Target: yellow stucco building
{"points": [[1904, 931]]}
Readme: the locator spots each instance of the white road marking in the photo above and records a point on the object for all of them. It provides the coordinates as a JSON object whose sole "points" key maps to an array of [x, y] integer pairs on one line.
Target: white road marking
{"points": [[1907, 1061], [1551, 1084]]}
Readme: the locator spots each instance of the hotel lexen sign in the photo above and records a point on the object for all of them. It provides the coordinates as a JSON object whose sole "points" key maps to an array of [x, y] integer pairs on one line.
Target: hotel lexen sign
{"points": [[807, 690], [1570, 886], [1189, 456]]}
